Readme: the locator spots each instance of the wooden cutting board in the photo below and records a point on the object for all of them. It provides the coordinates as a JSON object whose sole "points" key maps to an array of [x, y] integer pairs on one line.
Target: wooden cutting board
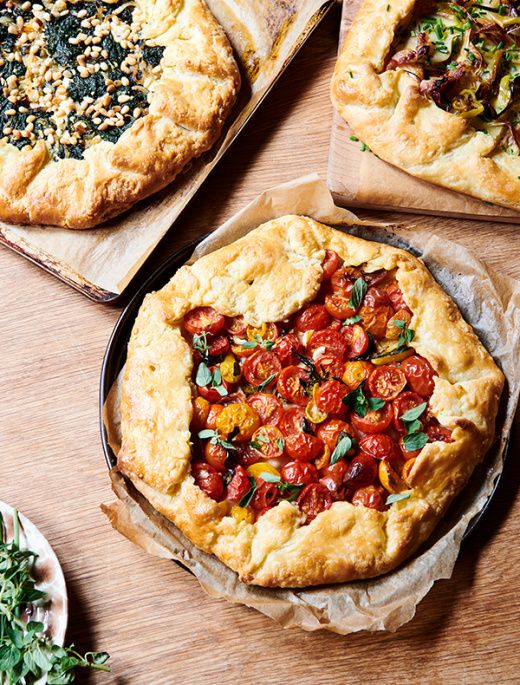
{"points": [[358, 178]]}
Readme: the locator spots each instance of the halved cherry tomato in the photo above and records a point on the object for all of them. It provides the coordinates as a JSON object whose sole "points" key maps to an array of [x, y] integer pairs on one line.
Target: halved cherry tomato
{"points": [[395, 296], [313, 499], [303, 446], [390, 477], [330, 342], [299, 473], [265, 497], [375, 421], [329, 397], [343, 279], [437, 433], [230, 369], [269, 441], [211, 419], [239, 350], [337, 305], [312, 412], [219, 346], [208, 480], [261, 367], [333, 478], [292, 383], [247, 455], [242, 514], [386, 382], [355, 373], [375, 319], [286, 348], [210, 393], [392, 331], [419, 374], [329, 432], [330, 264], [408, 454], [200, 413], [376, 277], [371, 496], [329, 364], [324, 459], [312, 318], [268, 407], [239, 485], [236, 325], [258, 470], [380, 446], [357, 340], [362, 471], [238, 421], [203, 319], [292, 421], [215, 455], [266, 331], [376, 297], [408, 466], [405, 401]]}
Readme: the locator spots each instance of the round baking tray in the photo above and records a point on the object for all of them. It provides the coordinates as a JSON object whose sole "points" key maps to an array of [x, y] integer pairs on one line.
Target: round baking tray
{"points": [[115, 357]]}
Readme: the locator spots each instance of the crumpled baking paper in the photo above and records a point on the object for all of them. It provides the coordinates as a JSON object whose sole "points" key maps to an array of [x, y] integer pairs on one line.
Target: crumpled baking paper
{"points": [[489, 301]]}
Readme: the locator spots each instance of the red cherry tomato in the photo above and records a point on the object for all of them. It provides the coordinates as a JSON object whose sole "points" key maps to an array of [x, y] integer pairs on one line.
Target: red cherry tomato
{"points": [[268, 407], [330, 395], [371, 496], [357, 340], [203, 319], [376, 277], [239, 485], [314, 499], [312, 318], [330, 264], [376, 297], [220, 345], [303, 446], [419, 374], [208, 480], [343, 279], [210, 393], [286, 348], [330, 365], [269, 441], [375, 320], [395, 296], [291, 385], [376, 421], [333, 478], [236, 325], [299, 473], [437, 433], [265, 497], [329, 431], [362, 471], [405, 401], [330, 342], [337, 305], [216, 456], [292, 421], [380, 446], [247, 455], [386, 382], [261, 366]]}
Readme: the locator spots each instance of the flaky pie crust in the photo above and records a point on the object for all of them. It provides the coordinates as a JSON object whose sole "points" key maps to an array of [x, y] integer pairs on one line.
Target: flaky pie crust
{"points": [[266, 276], [403, 127], [188, 105]]}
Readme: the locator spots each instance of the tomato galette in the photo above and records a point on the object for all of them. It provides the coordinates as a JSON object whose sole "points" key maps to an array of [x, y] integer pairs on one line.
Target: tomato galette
{"points": [[433, 88], [103, 102], [305, 404]]}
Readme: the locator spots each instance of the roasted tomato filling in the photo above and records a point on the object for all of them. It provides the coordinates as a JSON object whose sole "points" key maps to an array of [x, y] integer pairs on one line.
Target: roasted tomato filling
{"points": [[331, 404]]}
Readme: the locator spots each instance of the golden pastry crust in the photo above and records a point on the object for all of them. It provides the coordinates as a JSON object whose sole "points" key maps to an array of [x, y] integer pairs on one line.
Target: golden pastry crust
{"points": [[266, 276], [403, 127], [188, 104]]}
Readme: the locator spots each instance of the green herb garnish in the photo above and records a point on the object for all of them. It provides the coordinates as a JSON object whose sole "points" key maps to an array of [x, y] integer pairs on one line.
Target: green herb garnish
{"points": [[397, 497], [407, 334], [343, 445], [215, 439], [358, 293]]}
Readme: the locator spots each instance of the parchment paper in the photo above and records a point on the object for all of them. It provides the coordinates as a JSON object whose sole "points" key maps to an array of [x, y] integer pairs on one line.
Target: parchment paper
{"points": [[265, 35], [489, 301], [361, 179]]}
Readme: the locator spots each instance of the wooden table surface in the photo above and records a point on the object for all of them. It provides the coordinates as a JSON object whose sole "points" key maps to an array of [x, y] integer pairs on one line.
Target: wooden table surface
{"points": [[152, 617]]}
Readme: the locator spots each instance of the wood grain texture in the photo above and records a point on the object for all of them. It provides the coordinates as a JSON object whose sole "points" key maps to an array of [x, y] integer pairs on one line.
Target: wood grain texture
{"points": [[151, 615]]}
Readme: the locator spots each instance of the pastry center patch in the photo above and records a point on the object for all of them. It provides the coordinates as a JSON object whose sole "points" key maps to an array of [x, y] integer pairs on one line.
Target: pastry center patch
{"points": [[72, 73]]}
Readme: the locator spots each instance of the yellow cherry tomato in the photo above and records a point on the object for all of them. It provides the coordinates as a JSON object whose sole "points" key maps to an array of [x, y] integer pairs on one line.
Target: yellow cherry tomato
{"points": [[390, 478], [355, 373], [312, 412], [323, 461], [256, 331], [392, 331], [242, 514], [200, 413], [239, 421], [408, 466], [256, 470], [230, 369]]}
